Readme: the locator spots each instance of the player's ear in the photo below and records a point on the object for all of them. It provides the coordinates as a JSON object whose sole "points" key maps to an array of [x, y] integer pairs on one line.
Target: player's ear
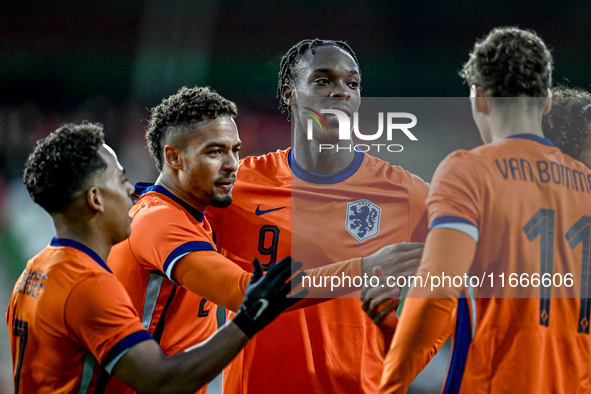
{"points": [[287, 94], [481, 99], [94, 199], [548, 104], [173, 157]]}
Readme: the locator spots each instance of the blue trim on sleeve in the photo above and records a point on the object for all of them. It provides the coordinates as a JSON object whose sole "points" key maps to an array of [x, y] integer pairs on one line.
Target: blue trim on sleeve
{"points": [[183, 250], [70, 243], [126, 343], [456, 223], [462, 341], [532, 137], [449, 219], [330, 179], [144, 187]]}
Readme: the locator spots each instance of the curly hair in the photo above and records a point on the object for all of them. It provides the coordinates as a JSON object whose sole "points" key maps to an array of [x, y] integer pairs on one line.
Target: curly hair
{"points": [[510, 62], [186, 107], [568, 122], [291, 58], [62, 164]]}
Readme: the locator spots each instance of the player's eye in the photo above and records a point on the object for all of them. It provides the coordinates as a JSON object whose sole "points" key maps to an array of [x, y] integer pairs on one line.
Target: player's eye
{"points": [[353, 84], [322, 81]]}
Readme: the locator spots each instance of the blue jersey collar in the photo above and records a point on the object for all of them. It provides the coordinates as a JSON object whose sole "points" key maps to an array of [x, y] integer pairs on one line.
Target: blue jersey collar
{"points": [[70, 243], [144, 187], [532, 137], [320, 179]]}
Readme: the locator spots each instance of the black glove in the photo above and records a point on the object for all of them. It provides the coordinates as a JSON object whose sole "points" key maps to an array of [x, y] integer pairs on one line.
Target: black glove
{"points": [[266, 295]]}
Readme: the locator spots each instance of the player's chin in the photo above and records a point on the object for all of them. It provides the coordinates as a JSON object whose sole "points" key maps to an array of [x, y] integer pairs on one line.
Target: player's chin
{"points": [[328, 136], [128, 225], [123, 235], [222, 201]]}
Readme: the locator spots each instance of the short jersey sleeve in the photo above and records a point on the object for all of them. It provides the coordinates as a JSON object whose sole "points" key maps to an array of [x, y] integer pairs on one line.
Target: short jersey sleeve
{"points": [[100, 315], [165, 235], [455, 197]]}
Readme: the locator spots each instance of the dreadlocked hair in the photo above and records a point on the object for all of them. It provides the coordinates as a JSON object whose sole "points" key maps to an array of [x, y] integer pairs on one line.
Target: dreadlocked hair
{"points": [[567, 124], [186, 107], [291, 58]]}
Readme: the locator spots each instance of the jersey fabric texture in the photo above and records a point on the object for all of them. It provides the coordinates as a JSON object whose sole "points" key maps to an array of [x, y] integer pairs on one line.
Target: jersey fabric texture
{"points": [[69, 316], [163, 230], [279, 209], [527, 206]]}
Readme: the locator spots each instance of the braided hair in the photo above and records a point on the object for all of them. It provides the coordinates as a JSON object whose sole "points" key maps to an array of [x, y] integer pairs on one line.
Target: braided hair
{"points": [[291, 58]]}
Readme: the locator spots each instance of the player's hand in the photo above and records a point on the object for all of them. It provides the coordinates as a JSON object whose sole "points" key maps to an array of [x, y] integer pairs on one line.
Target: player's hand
{"points": [[395, 260], [380, 302], [266, 295]]}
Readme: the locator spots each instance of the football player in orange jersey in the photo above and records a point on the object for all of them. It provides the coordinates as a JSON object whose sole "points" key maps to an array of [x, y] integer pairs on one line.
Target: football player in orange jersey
{"points": [[70, 321], [322, 206], [513, 207], [568, 125], [170, 265]]}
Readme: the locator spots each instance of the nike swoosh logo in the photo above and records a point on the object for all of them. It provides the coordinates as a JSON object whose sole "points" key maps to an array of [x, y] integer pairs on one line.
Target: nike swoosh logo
{"points": [[259, 212]]}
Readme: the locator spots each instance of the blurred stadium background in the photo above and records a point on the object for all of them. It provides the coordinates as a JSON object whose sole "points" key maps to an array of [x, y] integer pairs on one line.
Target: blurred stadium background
{"points": [[109, 61]]}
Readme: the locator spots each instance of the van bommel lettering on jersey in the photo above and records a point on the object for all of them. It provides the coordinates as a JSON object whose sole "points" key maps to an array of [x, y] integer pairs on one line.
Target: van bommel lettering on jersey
{"points": [[544, 172], [345, 130], [31, 283]]}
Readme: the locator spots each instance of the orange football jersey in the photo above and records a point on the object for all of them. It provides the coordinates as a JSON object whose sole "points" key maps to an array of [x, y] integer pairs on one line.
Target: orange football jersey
{"points": [[163, 230], [279, 209], [69, 316], [527, 206]]}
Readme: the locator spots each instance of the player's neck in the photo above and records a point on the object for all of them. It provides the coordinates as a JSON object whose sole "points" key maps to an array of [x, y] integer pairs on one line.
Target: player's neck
{"points": [[512, 116], [312, 156], [320, 157], [84, 232], [172, 185], [502, 127]]}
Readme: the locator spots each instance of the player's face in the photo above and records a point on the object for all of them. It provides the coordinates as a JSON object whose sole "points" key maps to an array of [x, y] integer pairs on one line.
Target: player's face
{"points": [[116, 191], [211, 163], [327, 79]]}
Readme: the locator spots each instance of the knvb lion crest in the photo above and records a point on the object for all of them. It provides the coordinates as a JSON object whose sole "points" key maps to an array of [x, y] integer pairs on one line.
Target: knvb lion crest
{"points": [[363, 219]]}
